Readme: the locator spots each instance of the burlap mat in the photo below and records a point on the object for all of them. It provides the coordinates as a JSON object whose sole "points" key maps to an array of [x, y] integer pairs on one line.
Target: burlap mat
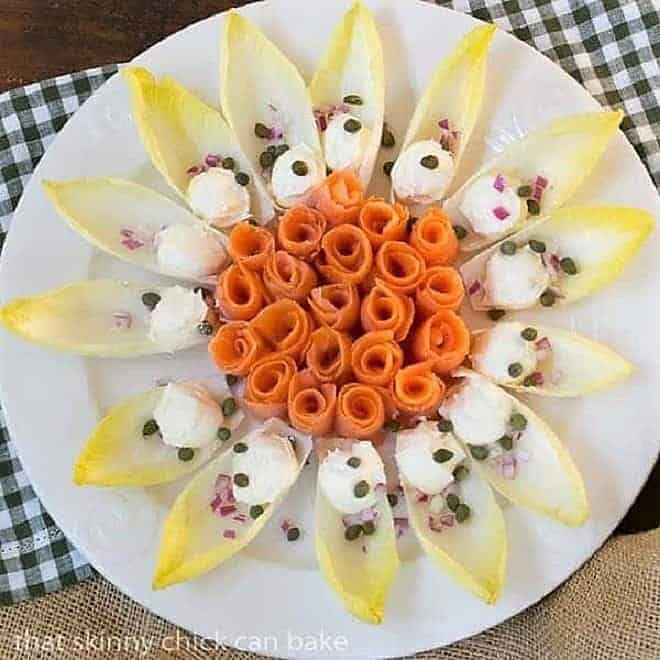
{"points": [[609, 610]]}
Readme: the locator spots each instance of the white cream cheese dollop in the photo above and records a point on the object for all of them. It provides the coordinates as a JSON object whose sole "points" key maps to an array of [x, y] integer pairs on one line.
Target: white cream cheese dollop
{"points": [[416, 184], [290, 188], [175, 319], [187, 415], [337, 479], [270, 464], [216, 197], [515, 281], [491, 204], [479, 411], [189, 251], [495, 350], [415, 449], [344, 149]]}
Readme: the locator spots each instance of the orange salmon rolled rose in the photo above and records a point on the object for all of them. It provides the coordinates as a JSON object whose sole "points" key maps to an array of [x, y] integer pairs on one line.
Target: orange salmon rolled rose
{"points": [[442, 339], [417, 390], [346, 255], [300, 230], [311, 404], [360, 411], [441, 288], [399, 266], [376, 358], [285, 326], [335, 305], [240, 293], [236, 347], [329, 356], [382, 309], [267, 385], [340, 198], [250, 246], [382, 222], [434, 238], [286, 276]]}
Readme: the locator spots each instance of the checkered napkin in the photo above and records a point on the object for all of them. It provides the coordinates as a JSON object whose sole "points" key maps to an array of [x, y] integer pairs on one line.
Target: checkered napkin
{"points": [[611, 47]]}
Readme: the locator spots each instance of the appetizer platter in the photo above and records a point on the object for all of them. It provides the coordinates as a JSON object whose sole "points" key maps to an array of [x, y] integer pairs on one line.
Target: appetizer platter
{"points": [[335, 322]]}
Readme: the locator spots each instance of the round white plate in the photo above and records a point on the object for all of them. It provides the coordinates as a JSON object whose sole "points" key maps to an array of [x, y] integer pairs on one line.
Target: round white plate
{"points": [[272, 599]]}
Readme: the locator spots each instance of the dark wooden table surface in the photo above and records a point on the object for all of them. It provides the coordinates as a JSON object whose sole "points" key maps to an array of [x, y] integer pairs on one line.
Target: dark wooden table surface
{"points": [[43, 38]]}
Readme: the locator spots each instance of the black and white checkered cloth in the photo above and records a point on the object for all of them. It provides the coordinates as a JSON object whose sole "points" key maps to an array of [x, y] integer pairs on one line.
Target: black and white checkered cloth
{"points": [[612, 47]]}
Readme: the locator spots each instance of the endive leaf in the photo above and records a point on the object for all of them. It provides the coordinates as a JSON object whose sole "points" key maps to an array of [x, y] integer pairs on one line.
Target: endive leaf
{"points": [[564, 152], [353, 65], [472, 552], [103, 318], [544, 478], [121, 217], [192, 542], [179, 130], [117, 453], [569, 364], [601, 240], [361, 571], [260, 85]]}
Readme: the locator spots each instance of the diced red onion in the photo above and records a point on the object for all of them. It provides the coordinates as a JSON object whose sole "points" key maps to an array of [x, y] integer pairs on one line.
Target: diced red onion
{"points": [[537, 378], [499, 184], [212, 160], [555, 261], [541, 182], [435, 524], [229, 534], [447, 519], [132, 244], [444, 123], [421, 497], [122, 320], [501, 213], [239, 517], [194, 170], [475, 287], [287, 524], [369, 514], [226, 509], [321, 122], [400, 526], [543, 344]]}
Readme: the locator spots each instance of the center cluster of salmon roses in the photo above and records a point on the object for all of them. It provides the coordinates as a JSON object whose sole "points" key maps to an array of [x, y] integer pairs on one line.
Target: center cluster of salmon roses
{"points": [[342, 317]]}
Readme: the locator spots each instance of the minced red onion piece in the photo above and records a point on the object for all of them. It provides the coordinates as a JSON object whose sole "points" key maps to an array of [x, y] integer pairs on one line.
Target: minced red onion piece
{"points": [[421, 497], [501, 213], [541, 182], [212, 160], [499, 184], [369, 514], [543, 344], [400, 526], [122, 320], [240, 517], [226, 509], [229, 534], [537, 378], [555, 261], [475, 287], [444, 123], [287, 524], [194, 170]]}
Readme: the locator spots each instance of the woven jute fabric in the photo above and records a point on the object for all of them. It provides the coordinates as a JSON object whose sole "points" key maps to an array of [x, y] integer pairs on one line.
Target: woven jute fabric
{"points": [[609, 610]]}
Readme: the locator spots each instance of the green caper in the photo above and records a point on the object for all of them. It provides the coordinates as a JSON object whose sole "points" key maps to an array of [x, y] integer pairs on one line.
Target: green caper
{"points": [[518, 422], [150, 427], [495, 314], [537, 246], [508, 248], [392, 425], [461, 473], [224, 434], [368, 527], [352, 532], [442, 455], [262, 131], [529, 334], [548, 298], [445, 425], [506, 442], [150, 299], [453, 501], [387, 167], [242, 179], [460, 231], [256, 510], [462, 512], [185, 454], [430, 162], [392, 499], [266, 159], [479, 452], [229, 406], [387, 139], [228, 163], [281, 149], [232, 380], [524, 191], [241, 479], [205, 329], [515, 369], [353, 99], [240, 448], [361, 489], [300, 168], [352, 125], [568, 266], [292, 534], [354, 462], [533, 207]]}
